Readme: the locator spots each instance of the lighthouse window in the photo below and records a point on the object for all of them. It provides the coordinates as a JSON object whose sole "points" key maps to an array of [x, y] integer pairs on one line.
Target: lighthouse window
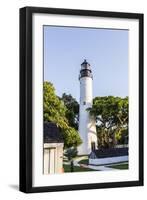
{"points": [[84, 103]]}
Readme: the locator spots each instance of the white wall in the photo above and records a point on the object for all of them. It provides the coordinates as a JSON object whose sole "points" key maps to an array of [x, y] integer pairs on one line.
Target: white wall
{"points": [[102, 161], [9, 81]]}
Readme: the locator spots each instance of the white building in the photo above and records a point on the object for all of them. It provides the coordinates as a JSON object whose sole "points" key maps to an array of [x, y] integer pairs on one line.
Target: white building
{"points": [[53, 149], [87, 127]]}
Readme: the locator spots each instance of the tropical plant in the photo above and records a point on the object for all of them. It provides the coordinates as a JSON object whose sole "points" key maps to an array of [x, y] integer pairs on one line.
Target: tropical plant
{"points": [[72, 111], [111, 114], [54, 110], [71, 153]]}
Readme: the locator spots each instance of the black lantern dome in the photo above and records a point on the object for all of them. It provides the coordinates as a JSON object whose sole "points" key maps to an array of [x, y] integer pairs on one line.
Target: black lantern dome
{"points": [[85, 70]]}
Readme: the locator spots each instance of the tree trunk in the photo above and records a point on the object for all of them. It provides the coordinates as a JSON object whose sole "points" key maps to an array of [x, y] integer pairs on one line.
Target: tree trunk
{"points": [[71, 166]]}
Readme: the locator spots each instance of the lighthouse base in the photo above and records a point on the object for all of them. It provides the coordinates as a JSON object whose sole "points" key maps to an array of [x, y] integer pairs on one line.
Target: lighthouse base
{"points": [[88, 146], [83, 151]]}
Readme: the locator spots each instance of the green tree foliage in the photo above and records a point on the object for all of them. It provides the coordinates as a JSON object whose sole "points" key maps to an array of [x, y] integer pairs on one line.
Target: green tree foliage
{"points": [[111, 115], [54, 110], [72, 111]]}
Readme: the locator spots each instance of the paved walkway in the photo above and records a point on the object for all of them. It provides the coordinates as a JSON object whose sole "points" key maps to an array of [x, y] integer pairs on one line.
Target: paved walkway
{"points": [[99, 168], [76, 160], [95, 167]]}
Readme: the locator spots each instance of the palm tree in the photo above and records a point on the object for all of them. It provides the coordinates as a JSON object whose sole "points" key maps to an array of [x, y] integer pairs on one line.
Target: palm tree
{"points": [[70, 154]]}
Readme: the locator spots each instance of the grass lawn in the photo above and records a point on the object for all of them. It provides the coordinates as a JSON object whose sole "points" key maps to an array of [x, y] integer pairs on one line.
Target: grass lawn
{"points": [[84, 161], [120, 166], [85, 157], [77, 169]]}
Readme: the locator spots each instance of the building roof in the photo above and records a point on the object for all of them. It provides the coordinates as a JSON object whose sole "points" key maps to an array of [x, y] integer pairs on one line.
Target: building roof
{"points": [[52, 133], [110, 152]]}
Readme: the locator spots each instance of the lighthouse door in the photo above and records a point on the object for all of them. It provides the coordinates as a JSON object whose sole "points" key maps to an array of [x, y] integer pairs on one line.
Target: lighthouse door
{"points": [[92, 146]]}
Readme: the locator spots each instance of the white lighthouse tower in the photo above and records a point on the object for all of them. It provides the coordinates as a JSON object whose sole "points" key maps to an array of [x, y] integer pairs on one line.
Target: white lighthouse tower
{"points": [[87, 127]]}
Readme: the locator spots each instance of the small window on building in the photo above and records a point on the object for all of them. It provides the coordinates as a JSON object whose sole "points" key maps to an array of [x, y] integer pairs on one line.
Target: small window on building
{"points": [[84, 103]]}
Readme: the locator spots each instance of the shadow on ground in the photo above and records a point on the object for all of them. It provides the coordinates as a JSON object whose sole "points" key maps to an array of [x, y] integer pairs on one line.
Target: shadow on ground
{"points": [[14, 187]]}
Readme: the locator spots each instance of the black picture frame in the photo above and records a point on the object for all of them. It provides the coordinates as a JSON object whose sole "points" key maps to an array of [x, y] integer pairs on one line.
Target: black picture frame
{"points": [[26, 73]]}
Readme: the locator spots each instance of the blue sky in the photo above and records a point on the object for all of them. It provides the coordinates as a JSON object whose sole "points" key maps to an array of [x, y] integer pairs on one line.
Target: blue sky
{"points": [[106, 50]]}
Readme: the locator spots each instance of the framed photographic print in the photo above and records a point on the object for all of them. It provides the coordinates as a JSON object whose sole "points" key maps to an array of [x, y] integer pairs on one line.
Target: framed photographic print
{"points": [[81, 99]]}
